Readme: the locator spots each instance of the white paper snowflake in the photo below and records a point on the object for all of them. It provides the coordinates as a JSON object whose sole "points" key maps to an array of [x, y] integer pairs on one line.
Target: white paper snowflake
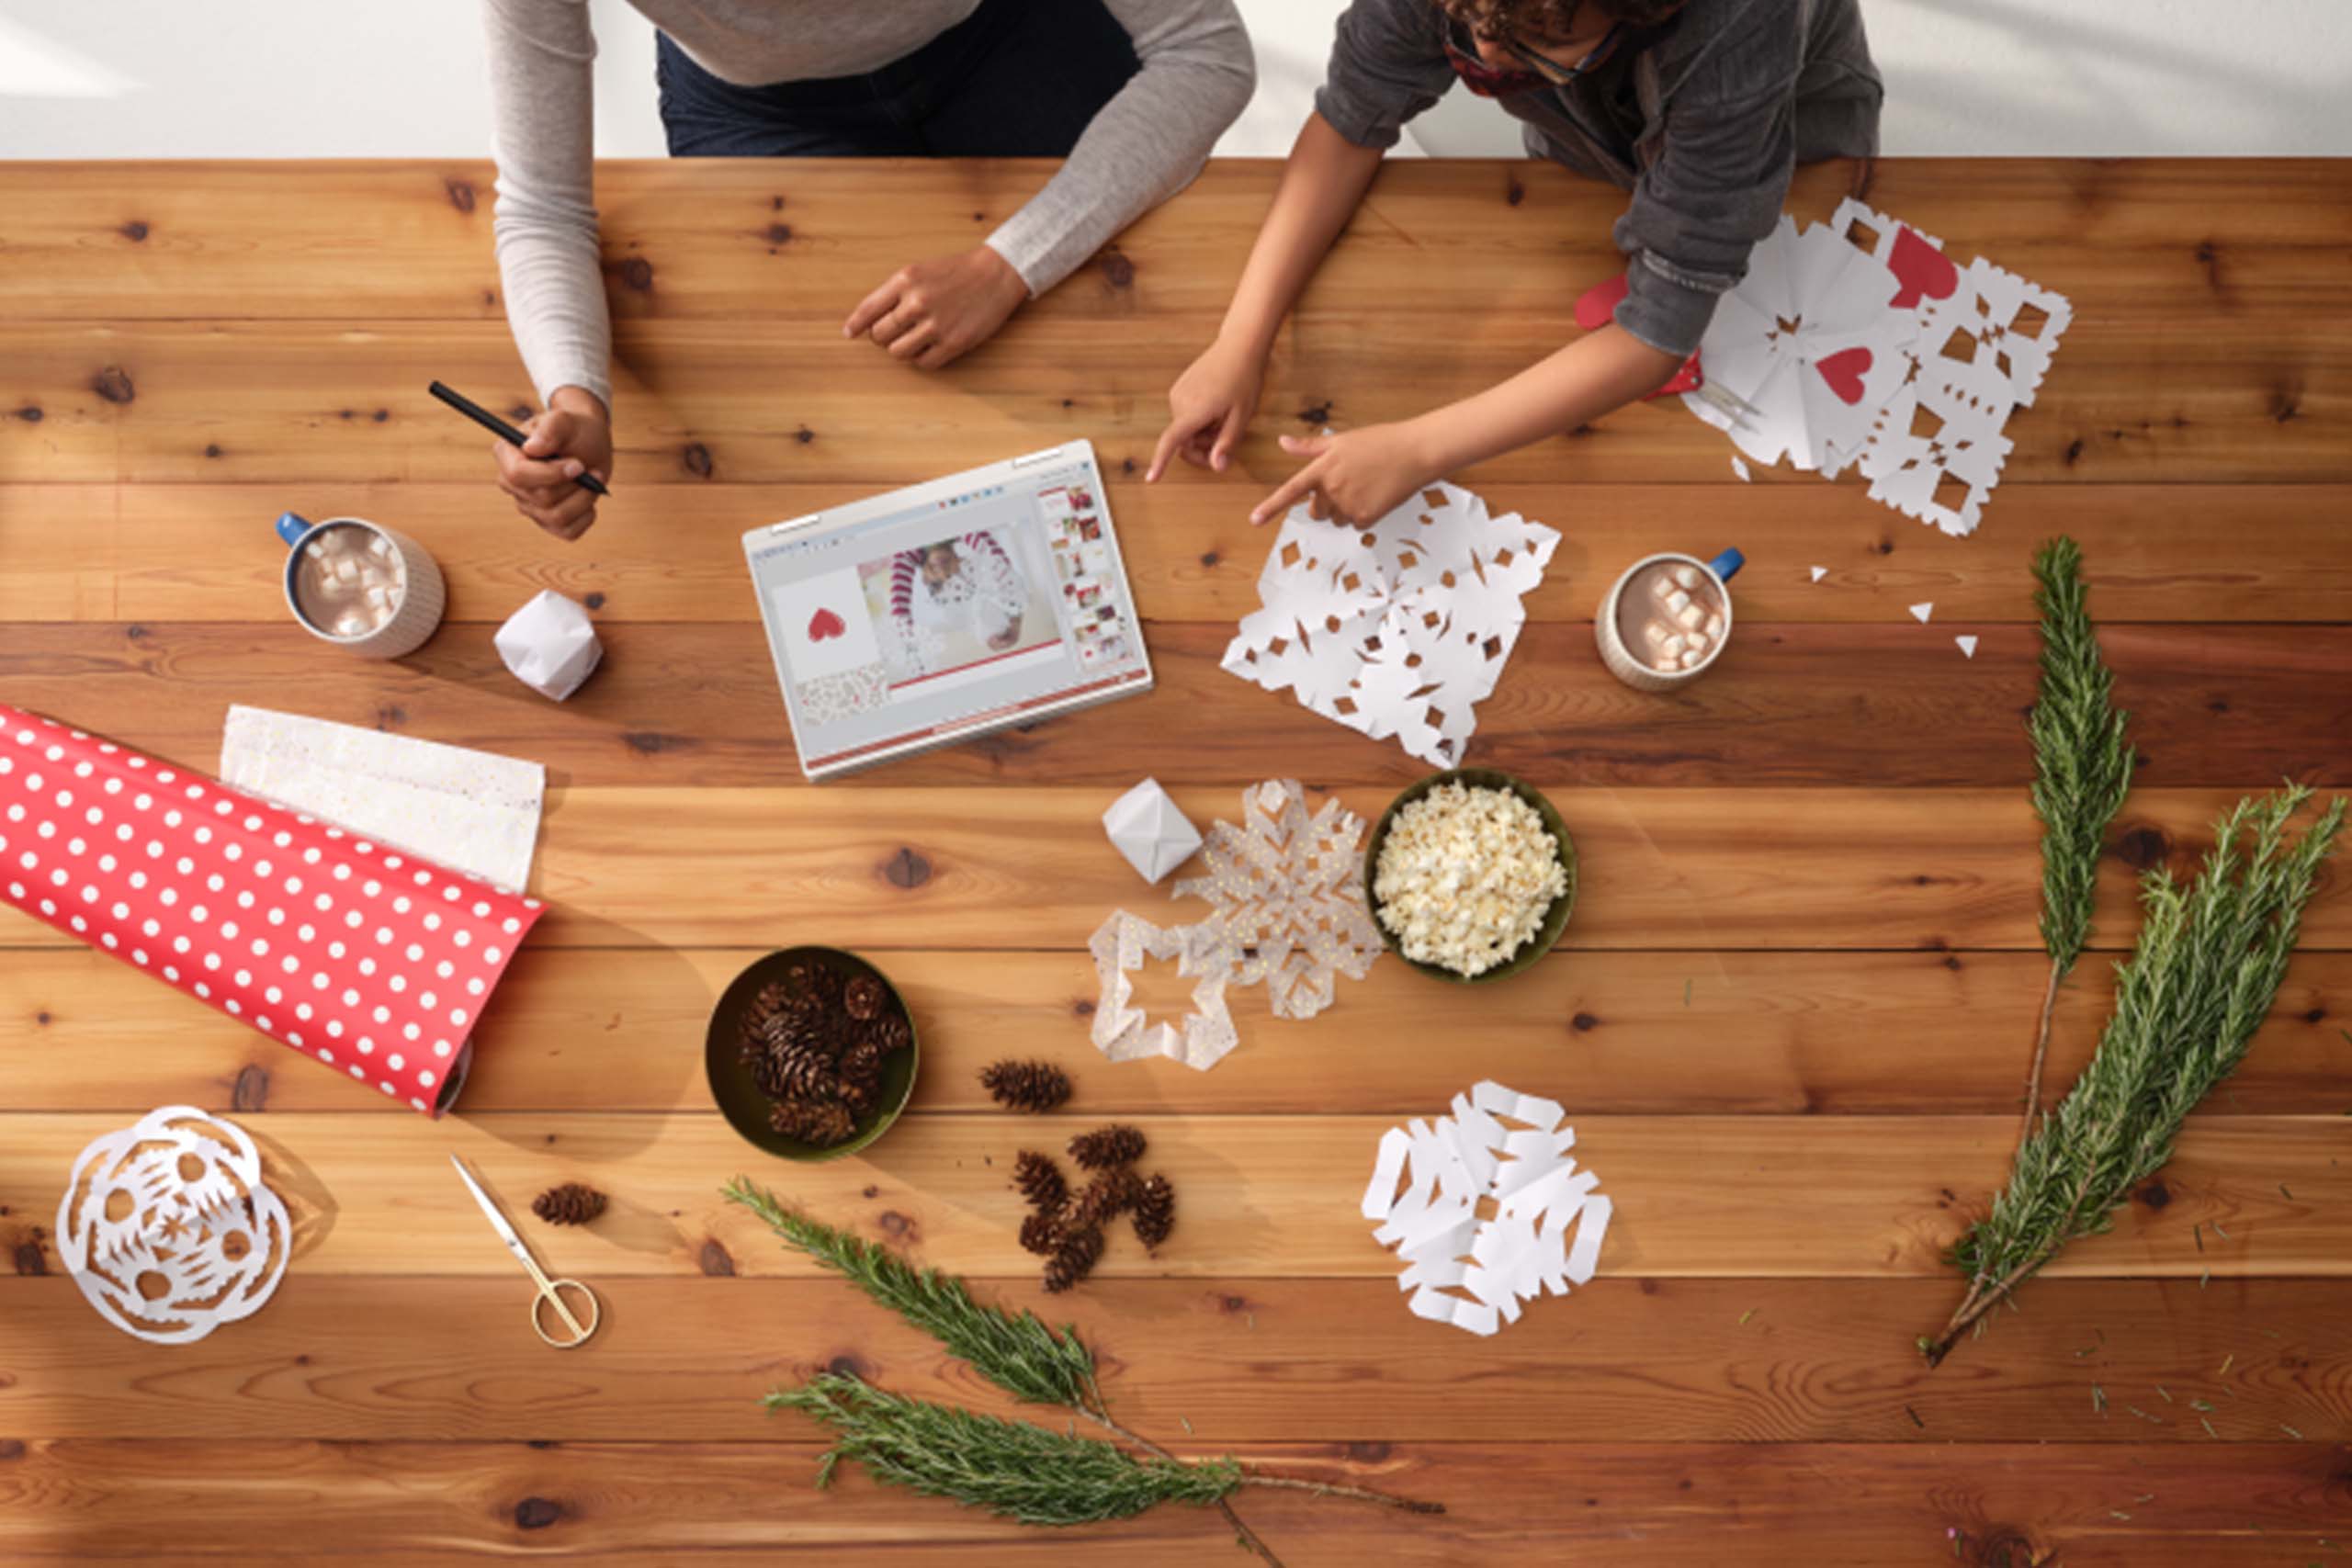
{"points": [[169, 1229], [1400, 629], [1431, 1180], [1288, 889]]}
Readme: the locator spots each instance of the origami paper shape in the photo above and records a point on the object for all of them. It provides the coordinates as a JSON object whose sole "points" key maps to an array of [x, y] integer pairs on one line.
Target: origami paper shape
{"points": [[1151, 830], [550, 645], [1121, 1030]]}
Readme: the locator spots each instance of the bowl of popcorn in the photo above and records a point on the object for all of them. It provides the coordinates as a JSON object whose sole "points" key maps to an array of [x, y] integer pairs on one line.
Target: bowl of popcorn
{"points": [[1470, 876]]}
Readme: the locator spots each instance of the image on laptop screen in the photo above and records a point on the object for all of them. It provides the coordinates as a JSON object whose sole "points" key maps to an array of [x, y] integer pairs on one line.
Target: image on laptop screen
{"points": [[946, 611]]}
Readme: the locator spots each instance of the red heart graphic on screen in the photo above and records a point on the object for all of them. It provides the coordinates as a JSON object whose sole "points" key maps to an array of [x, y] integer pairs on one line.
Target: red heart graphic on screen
{"points": [[825, 623], [1844, 370], [1924, 271], [1598, 305]]}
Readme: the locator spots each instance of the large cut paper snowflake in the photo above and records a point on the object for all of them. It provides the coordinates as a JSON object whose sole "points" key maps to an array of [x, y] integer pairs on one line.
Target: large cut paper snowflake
{"points": [[1473, 1270], [1399, 630], [1288, 888]]}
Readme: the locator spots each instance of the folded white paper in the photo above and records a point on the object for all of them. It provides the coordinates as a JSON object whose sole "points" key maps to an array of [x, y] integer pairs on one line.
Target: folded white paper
{"points": [[1430, 1180], [470, 811], [1288, 887], [550, 645], [1151, 830], [1400, 629]]}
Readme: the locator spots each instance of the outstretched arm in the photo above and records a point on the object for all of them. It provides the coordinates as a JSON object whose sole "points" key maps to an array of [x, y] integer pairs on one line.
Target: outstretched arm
{"points": [[1322, 184], [1364, 474]]}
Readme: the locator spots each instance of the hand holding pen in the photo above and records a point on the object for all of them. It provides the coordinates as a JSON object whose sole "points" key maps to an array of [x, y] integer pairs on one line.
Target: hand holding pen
{"points": [[557, 469]]}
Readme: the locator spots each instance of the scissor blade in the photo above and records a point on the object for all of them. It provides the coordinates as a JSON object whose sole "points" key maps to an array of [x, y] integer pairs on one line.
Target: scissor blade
{"points": [[497, 1221]]}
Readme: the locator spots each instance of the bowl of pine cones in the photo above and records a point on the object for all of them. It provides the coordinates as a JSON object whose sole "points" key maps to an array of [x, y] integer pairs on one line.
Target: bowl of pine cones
{"points": [[811, 1053]]}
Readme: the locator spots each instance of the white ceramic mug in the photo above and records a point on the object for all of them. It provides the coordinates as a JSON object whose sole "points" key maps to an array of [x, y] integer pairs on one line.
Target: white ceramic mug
{"points": [[1638, 672], [423, 596]]}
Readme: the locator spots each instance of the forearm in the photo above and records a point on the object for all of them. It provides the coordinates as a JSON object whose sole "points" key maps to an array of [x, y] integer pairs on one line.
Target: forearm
{"points": [[1322, 184], [1602, 371]]}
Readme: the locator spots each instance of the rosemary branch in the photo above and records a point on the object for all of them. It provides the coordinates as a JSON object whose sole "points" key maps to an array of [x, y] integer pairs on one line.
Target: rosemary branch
{"points": [[2083, 769], [1011, 1467], [2200, 982]]}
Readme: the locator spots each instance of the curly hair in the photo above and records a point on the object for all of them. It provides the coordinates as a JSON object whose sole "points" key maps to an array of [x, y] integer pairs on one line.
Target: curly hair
{"points": [[1554, 19]]}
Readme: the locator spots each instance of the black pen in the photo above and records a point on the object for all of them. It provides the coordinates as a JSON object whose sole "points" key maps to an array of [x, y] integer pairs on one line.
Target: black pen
{"points": [[497, 426]]}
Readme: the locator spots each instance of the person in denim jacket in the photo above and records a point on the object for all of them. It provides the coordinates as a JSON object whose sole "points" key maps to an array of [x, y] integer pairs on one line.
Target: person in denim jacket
{"points": [[1701, 109]]}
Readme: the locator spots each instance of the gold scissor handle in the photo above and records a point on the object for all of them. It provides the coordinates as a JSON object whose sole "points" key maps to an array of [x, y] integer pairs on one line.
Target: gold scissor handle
{"points": [[579, 1321]]}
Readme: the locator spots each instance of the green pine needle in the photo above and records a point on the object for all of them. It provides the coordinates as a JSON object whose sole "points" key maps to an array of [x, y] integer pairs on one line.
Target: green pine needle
{"points": [[1019, 1354], [2083, 766], [2202, 976], [1013, 1468]]}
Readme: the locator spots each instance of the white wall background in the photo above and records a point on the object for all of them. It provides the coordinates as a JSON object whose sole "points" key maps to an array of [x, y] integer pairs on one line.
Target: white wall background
{"points": [[381, 78]]}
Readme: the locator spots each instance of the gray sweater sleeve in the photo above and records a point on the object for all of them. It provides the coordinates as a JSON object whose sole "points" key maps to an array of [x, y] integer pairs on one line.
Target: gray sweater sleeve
{"points": [[1387, 65], [1145, 144], [544, 139]]}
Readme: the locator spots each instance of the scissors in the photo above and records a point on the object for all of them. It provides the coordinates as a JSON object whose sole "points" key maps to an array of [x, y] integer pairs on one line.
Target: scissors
{"points": [[551, 1291]]}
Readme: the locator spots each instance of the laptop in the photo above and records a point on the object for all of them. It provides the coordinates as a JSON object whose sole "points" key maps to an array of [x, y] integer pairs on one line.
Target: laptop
{"points": [[949, 610]]}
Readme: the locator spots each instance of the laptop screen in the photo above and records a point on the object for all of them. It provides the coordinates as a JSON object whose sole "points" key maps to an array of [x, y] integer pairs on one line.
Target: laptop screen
{"points": [[954, 611]]}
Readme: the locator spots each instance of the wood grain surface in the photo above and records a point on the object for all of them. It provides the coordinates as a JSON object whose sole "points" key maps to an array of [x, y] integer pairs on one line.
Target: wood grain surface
{"points": [[1790, 1015]]}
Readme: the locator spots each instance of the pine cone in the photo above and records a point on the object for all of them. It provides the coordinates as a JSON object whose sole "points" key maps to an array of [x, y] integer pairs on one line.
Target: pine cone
{"points": [[825, 1034], [823, 1123], [1102, 1200], [865, 997], [771, 1002], [797, 1073], [862, 1063], [1154, 1210], [1040, 1234], [888, 1033], [1025, 1086], [1073, 1260], [1107, 1147], [570, 1205], [1040, 1180]]}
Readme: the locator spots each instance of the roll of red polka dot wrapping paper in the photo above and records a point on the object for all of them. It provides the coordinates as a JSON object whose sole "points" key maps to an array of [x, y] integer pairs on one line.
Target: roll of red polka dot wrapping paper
{"points": [[373, 964]]}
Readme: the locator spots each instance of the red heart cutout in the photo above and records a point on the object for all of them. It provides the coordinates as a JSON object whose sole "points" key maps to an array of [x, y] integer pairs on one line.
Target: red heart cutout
{"points": [[1843, 372], [1598, 305], [825, 623], [1923, 270]]}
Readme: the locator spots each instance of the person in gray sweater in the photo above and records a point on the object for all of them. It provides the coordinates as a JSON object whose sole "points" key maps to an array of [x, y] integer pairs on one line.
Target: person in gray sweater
{"points": [[1700, 109], [1131, 94]]}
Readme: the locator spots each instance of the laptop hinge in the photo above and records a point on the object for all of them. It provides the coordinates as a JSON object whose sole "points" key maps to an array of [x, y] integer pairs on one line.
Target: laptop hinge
{"points": [[1033, 458]]}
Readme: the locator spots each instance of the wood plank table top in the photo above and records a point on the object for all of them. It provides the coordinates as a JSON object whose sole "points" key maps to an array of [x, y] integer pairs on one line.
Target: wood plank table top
{"points": [[1790, 1018]]}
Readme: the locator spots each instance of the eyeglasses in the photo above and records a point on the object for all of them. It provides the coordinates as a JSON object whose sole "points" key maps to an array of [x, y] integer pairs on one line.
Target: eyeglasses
{"points": [[1462, 54]]}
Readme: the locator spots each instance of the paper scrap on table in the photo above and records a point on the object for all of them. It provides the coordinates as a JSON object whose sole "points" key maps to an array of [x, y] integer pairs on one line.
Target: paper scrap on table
{"points": [[1151, 830], [1288, 891], [214, 1243], [1398, 630], [1920, 613], [473, 811], [1429, 1179], [1967, 645], [1739, 467], [1819, 572], [1121, 1030], [1861, 342]]}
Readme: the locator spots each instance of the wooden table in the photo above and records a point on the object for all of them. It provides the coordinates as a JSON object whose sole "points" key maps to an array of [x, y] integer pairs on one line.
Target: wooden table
{"points": [[1791, 1018]]}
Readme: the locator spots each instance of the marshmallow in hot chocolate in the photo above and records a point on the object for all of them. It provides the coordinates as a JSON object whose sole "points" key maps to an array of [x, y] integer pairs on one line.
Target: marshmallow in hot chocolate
{"points": [[349, 581]]}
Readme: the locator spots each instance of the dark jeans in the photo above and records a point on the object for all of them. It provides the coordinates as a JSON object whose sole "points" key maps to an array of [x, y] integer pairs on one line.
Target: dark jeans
{"points": [[1015, 79]]}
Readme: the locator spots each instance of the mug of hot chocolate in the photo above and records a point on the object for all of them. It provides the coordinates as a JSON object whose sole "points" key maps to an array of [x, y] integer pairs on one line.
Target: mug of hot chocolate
{"points": [[1667, 620], [360, 585]]}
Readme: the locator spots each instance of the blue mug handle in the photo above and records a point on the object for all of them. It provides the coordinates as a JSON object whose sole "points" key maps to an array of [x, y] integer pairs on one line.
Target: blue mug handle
{"points": [[1724, 566], [291, 527]]}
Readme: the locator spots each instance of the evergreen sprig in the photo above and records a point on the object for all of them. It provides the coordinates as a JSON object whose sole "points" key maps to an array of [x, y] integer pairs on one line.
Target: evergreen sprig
{"points": [[2200, 982], [1013, 1468], [1018, 1353], [2082, 770], [2083, 765]]}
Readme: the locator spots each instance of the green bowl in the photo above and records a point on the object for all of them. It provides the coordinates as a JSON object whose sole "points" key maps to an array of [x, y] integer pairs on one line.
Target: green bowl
{"points": [[740, 1098], [1555, 918]]}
